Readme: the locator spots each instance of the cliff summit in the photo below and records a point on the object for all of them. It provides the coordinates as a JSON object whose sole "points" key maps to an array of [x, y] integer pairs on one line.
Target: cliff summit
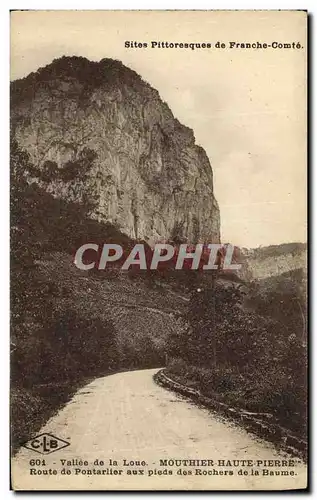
{"points": [[97, 131]]}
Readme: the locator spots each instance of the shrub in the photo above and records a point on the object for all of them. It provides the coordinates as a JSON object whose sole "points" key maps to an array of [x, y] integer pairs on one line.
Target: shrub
{"points": [[251, 360]]}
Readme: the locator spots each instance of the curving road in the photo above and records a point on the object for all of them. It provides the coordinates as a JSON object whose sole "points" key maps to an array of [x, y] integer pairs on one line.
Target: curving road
{"points": [[128, 417]]}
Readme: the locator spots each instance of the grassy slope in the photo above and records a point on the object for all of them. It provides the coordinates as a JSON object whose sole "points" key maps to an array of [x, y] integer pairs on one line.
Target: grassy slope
{"points": [[274, 382], [142, 316], [68, 326]]}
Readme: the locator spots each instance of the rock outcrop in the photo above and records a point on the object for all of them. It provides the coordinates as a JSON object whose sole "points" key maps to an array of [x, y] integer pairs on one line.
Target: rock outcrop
{"points": [[96, 131], [274, 260]]}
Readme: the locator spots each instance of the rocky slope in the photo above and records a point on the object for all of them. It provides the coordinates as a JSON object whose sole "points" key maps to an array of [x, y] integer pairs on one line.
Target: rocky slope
{"points": [[274, 260], [97, 131]]}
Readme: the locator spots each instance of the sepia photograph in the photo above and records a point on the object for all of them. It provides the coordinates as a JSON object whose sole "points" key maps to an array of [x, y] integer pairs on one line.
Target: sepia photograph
{"points": [[158, 250]]}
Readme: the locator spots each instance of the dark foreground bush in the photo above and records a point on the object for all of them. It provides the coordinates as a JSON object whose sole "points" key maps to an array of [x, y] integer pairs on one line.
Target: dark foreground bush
{"points": [[241, 358]]}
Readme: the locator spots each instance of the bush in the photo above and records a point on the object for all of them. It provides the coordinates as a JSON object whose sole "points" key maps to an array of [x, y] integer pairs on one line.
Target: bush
{"points": [[240, 356]]}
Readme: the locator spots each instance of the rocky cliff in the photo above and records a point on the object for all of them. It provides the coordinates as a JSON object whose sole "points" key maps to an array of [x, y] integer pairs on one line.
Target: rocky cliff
{"points": [[274, 260], [96, 131]]}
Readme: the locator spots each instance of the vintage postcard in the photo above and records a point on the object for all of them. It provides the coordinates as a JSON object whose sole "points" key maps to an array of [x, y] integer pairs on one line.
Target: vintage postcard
{"points": [[158, 250]]}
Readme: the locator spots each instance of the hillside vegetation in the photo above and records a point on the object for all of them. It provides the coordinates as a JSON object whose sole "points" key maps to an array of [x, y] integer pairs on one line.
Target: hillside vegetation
{"points": [[243, 343], [247, 346], [67, 325]]}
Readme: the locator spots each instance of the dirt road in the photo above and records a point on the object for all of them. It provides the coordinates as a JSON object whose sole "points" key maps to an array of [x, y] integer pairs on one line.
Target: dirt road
{"points": [[127, 417]]}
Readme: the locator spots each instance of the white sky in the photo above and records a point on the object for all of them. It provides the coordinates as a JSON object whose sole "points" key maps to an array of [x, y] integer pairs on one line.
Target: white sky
{"points": [[247, 107]]}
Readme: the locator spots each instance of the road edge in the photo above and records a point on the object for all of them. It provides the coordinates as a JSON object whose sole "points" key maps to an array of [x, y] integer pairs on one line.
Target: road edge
{"points": [[264, 429]]}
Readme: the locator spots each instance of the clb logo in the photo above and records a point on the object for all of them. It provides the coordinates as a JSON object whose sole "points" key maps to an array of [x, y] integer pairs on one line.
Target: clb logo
{"points": [[45, 444]]}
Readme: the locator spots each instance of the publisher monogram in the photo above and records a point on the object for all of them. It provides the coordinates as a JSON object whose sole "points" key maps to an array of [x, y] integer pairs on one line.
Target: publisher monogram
{"points": [[45, 444]]}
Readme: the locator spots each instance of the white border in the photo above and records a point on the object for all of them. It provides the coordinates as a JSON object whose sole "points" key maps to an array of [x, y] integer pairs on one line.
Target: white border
{"points": [[5, 6]]}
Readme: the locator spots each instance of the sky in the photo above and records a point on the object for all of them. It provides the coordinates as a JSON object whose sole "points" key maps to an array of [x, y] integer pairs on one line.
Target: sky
{"points": [[247, 107]]}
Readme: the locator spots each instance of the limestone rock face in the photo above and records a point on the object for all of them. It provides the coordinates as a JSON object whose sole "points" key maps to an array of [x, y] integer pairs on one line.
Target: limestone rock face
{"points": [[97, 131], [267, 262]]}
